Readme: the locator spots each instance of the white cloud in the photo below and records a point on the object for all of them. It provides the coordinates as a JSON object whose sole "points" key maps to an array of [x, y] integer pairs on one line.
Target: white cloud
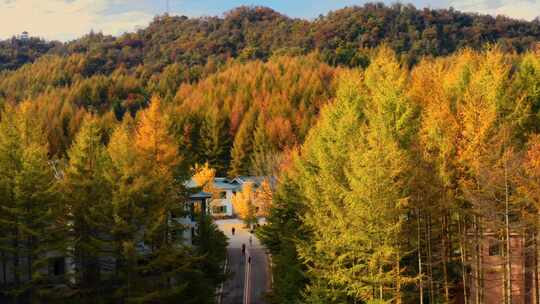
{"points": [[64, 20], [521, 9]]}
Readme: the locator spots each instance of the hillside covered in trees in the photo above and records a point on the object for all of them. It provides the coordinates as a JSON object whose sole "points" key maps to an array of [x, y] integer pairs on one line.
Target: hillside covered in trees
{"points": [[399, 142], [259, 32]]}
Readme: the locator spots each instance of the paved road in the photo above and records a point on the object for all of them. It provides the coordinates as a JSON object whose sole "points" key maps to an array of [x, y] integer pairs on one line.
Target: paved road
{"points": [[259, 279], [233, 289]]}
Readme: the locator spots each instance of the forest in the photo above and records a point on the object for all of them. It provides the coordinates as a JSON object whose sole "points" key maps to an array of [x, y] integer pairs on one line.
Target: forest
{"points": [[402, 144], [415, 186]]}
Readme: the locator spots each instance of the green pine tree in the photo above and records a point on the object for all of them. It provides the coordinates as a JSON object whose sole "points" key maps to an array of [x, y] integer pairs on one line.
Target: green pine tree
{"points": [[169, 271], [87, 214], [10, 150], [265, 155], [322, 181], [35, 199], [243, 145], [215, 145], [354, 178], [280, 235], [127, 211], [32, 209]]}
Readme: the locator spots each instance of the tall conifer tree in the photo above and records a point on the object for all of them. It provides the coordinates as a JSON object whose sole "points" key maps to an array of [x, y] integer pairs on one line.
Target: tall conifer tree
{"points": [[242, 148], [86, 197], [216, 141], [127, 211], [323, 185], [32, 210]]}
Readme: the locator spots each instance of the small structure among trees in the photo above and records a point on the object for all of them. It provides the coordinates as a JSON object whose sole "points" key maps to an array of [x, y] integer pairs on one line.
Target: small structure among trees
{"points": [[246, 197]]}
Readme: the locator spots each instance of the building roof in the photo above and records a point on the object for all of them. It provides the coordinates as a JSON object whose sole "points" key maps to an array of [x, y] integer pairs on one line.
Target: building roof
{"points": [[223, 183], [191, 183], [257, 180], [200, 195], [235, 184]]}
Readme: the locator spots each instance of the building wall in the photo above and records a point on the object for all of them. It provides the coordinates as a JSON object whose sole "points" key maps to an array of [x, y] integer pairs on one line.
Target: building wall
{"points": [[7, 274], [223, 202], [187, 233]]}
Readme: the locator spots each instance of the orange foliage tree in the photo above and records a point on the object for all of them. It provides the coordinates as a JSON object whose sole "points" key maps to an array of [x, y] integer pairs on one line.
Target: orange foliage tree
{"points": [[244, 204]]}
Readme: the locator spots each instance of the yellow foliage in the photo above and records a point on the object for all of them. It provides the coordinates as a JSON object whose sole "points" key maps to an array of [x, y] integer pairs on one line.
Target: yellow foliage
{"points": [[252, 202], [243, 203], [263, 198], [154, 143], [204, 177], [529, 183], [480, 107]]}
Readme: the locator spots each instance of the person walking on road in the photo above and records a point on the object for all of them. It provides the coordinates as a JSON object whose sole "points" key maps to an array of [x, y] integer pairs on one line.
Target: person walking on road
{"points": [[250, 241], [243, 249], [233, 230]]}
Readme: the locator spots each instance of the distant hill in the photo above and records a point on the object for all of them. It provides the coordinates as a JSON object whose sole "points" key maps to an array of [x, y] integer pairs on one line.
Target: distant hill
{"points": [[259, 32], [16, 51]]}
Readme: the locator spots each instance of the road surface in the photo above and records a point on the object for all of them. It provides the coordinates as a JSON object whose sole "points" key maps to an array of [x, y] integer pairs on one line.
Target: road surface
{"points": [[235, 290], [258, 276]]}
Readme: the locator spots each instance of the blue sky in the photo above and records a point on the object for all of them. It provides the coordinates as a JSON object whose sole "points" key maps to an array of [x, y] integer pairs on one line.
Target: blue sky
{"points": [[69, 19]]}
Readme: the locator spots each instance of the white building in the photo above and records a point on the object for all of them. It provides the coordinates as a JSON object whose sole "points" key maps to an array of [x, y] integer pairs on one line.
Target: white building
{"points": [[197, 204], [221, 204]]}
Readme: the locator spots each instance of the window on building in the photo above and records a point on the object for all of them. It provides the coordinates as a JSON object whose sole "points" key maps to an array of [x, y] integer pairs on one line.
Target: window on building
{"points": [[196, 209], [495, 247], [177, 235], [192, 214], [219, 209], [57, 266], [174, 215], [222, 194]]}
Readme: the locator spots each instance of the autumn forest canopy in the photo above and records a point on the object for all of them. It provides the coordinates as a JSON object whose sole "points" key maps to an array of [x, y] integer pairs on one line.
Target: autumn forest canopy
{"points": [[402, 146]]}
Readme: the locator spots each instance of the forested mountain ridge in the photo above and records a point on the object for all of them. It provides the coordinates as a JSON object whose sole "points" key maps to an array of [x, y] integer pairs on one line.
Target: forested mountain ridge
{"points": [[259, 32], [395, 137], [16, 52]]}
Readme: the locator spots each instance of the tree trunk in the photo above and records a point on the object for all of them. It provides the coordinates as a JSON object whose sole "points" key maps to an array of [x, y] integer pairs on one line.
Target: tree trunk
{"points": [[504, 272], [535, 273], [29, 259], [4, 265], [380, 285], [445, 250], [463, 255], [481, 260], [30, 243], [430, 260], [507, 232], [398, 278], [16, 258], [477, 278], [420, 274]]}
